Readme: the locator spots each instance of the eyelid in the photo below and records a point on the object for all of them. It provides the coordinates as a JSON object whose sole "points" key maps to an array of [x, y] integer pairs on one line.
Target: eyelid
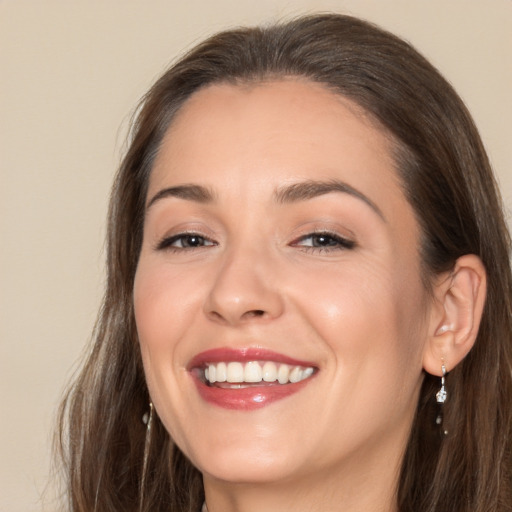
{"points": [[344, 243], [165, 243]]}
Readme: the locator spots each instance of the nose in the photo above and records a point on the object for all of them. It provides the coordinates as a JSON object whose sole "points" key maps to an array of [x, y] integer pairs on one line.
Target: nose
{"points": [[244, 290]]}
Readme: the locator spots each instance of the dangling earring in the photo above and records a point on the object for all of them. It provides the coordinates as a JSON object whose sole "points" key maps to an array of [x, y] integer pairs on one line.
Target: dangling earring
{"points": [[147, 419], [441, 397]]}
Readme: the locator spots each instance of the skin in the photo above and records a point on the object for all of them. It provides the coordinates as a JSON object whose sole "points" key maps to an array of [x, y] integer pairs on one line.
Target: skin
{"points": [[360, 314]]}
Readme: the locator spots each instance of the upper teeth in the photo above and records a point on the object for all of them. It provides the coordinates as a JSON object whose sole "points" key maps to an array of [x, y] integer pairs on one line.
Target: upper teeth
{"points": [[256, 371]]}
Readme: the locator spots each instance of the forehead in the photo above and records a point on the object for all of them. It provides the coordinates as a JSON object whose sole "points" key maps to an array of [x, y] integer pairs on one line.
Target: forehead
{"points": [[275, 132]]}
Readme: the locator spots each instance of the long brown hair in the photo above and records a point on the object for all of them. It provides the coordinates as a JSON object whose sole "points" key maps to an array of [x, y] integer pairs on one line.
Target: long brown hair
{"points": [[447, 178]]}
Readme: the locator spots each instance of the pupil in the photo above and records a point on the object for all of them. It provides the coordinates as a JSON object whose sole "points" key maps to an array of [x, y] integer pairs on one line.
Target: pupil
{"points": [[323, 240], [193, 241]]}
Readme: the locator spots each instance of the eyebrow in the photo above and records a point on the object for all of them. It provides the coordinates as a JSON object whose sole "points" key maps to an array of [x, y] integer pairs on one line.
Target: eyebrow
{"points": [[310, 189], [294, 193], [191, 192]]}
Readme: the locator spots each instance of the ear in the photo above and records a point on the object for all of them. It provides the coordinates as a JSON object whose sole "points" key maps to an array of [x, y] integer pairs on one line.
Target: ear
{"points": [[455, 315]]}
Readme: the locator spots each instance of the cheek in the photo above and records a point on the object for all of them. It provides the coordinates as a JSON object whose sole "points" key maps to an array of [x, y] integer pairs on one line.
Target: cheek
{"points": [[162, 314], [367, 319], [164, 303], [369, 314], [345, 299], [161, 317]]}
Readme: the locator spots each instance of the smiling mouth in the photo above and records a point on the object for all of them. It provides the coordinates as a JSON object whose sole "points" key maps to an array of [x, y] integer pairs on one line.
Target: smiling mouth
{"points": [[239, 375], [248, 378]]}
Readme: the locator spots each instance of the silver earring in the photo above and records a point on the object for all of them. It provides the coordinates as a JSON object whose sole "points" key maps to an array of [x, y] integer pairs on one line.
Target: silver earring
{"points": [[441, 395], [147, 419]]}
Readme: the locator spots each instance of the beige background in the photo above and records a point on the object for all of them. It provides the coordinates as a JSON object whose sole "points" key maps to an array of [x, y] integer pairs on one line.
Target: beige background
{"points": [[71, 72]]}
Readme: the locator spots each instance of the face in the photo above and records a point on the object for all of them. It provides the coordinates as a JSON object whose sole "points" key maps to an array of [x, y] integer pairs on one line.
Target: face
{"points": [[278, 296]]}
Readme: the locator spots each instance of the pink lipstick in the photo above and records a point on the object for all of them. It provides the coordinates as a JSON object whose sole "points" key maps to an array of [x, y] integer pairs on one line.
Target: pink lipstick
{"points": [[248, 378]]}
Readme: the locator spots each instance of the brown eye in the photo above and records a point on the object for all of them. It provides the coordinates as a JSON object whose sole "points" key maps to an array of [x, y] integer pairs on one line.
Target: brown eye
{"points": [[323, 241], [185, 241]]}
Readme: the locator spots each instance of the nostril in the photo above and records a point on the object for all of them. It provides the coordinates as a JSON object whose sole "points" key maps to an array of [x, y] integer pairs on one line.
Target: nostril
{"points": [[255, 312]]}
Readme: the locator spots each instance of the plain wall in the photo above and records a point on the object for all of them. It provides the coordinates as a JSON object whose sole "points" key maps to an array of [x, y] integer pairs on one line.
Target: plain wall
{"points": [[70, 75]]}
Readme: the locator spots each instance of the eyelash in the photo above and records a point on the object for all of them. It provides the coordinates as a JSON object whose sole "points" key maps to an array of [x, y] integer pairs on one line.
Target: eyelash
{"points": [[333, 242], [167, 242]]}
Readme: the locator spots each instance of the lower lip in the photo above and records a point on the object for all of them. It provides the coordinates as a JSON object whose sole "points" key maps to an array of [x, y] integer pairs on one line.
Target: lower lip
{"points": [[246, 399]]}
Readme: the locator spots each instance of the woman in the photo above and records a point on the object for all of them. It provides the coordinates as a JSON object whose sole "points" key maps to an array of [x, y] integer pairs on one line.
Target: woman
{"points": [[308, 293]]}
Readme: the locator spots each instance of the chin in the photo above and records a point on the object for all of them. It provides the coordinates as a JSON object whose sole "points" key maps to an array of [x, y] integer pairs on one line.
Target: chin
{"points": [[243, 472], [252, 463]]}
